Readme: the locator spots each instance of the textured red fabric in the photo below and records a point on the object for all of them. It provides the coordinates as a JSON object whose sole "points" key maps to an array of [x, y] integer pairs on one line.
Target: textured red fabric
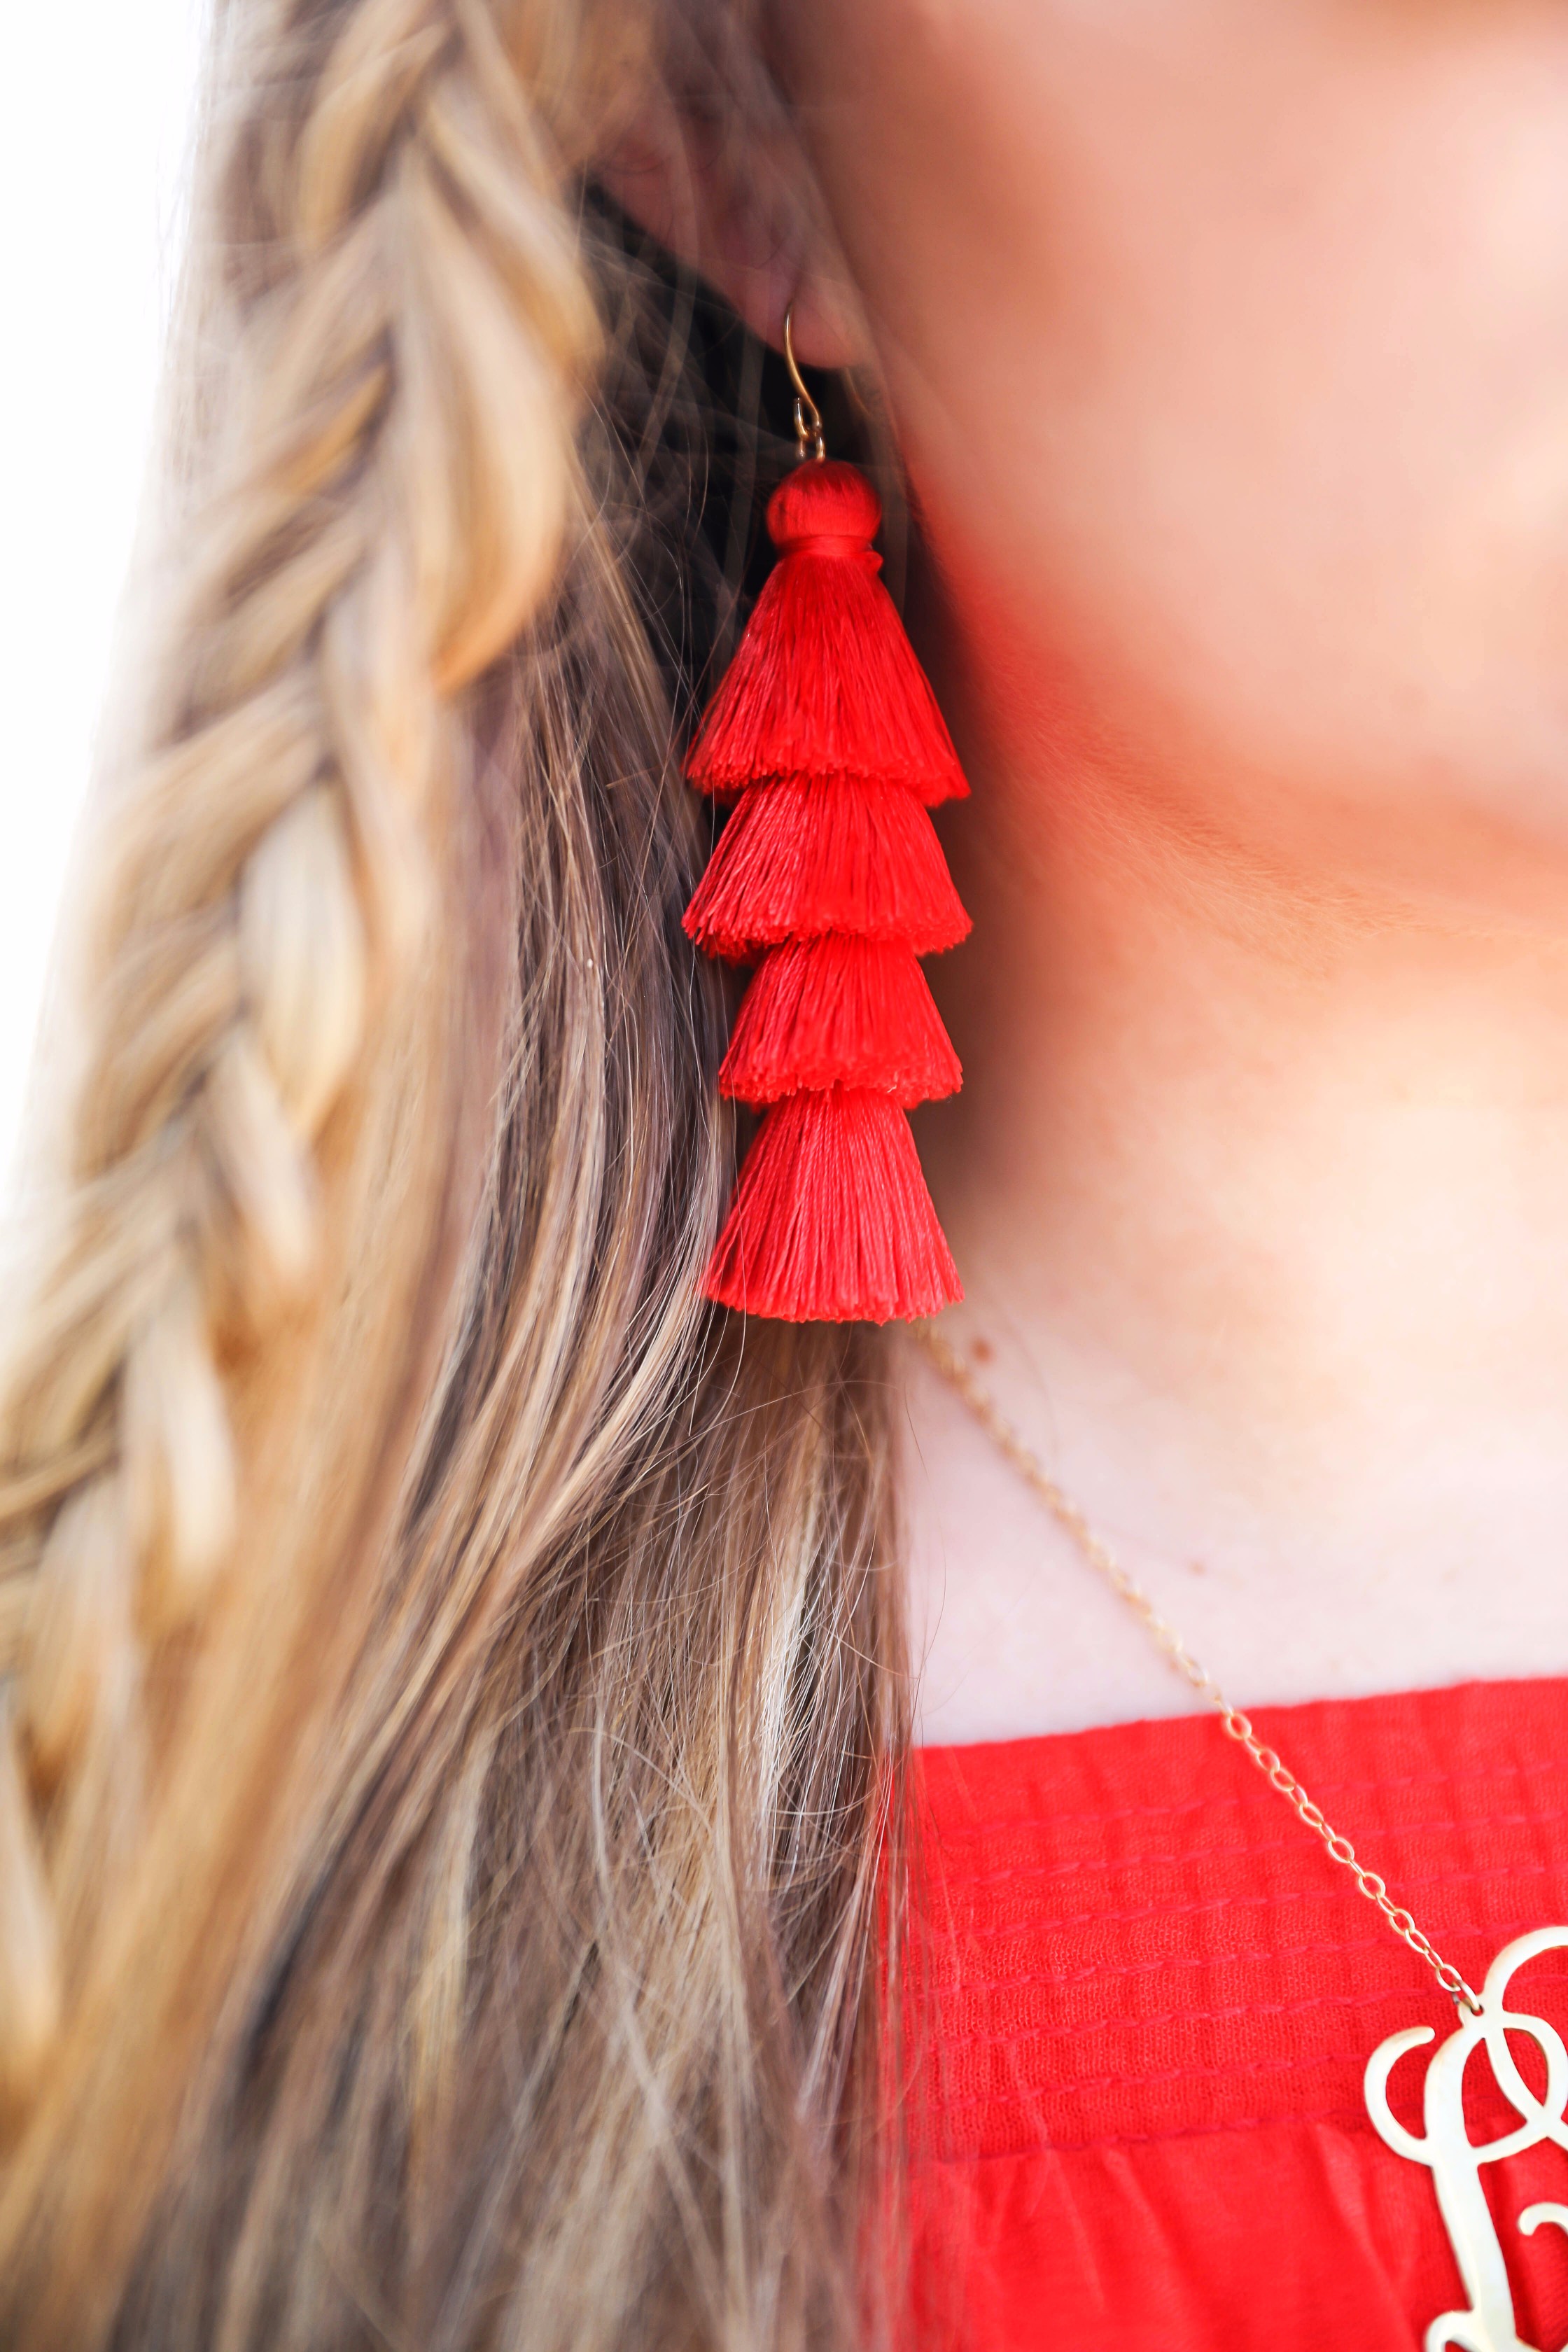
{"points": [[1148, 2001]]}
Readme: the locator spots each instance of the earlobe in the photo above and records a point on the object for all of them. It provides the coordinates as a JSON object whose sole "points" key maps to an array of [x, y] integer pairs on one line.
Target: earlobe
{"points": [[826, 324], [751, 236]]}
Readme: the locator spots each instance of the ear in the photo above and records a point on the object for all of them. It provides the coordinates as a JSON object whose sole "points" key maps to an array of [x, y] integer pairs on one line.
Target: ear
{"points": [[755, 234]]}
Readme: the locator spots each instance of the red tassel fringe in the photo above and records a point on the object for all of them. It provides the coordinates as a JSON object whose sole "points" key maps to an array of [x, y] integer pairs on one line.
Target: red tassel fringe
{"points": [[797, 860], [838, 1011], [831, 1220], [791, 706], [830, 872], [825, 683]]}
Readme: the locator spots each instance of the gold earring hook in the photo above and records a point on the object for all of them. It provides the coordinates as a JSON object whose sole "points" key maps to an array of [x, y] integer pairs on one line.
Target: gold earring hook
{"points": [[808, 416]]}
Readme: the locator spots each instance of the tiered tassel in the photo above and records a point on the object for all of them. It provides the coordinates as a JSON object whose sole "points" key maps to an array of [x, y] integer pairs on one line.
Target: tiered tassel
{"points": [[830, 877], [839, 1012], [797, 861]]}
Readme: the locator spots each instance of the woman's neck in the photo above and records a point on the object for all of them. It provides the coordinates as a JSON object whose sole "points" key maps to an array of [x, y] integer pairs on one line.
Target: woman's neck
{"points": [[1259, 1190]]}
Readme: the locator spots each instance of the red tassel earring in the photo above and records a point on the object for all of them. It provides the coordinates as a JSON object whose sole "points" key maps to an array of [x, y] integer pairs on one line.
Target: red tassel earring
{"points": [[829, 878]]}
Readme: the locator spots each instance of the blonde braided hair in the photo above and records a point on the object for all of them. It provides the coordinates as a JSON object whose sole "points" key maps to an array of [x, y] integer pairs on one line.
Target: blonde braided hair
{"points": [[389, 494]]}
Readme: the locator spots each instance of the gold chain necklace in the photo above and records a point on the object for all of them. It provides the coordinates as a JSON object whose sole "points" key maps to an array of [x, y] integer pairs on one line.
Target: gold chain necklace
{"points": [[1484, 2017]]}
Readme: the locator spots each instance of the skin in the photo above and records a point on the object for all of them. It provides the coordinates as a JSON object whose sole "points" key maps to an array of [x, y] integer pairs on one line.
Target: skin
{"points": [[1227, 345]]}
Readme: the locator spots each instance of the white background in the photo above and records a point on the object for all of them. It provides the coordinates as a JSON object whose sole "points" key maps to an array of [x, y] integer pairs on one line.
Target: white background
{"points": [[95, 125]]}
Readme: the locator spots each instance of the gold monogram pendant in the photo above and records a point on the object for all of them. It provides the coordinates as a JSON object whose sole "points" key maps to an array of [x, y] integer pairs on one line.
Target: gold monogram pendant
{"points": [[1455, 2162]]}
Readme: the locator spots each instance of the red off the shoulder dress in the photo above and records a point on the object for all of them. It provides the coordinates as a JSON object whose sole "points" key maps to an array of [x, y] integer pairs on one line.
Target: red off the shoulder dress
{"points": [[1149, 1998]]}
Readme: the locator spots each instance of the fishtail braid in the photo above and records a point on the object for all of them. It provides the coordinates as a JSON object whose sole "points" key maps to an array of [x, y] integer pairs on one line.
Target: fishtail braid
{"points": [[407, 336]]}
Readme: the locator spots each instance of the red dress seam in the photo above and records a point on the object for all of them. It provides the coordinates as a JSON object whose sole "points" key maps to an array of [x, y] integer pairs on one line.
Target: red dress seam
{"points": [[1275, 1900], [1258, 1797], [1030, 1874]]}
